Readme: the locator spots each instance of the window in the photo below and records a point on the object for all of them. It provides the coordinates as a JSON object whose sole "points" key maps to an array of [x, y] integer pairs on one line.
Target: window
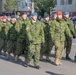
{"points": [[69, 1], [62, 2], [29, 5]]}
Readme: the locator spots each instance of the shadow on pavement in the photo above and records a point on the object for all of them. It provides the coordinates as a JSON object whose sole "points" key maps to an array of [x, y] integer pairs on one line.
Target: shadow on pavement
{"points": [[63, 58], [11, 59], [50, 62], [52, 73]]}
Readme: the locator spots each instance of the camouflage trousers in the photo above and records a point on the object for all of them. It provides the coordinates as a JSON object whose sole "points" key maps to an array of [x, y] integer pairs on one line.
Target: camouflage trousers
{"points": [[46, 48], [20, 48], [5, 46], [2, 43], [68, 45], [11, 46], [59, 47], [34, 52]]}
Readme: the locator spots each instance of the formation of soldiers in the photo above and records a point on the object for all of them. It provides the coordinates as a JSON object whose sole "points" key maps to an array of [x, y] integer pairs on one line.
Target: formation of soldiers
{"points": [[36, 38]]}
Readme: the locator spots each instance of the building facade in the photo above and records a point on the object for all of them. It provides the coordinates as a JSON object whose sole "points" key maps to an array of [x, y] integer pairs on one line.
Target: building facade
{"points": [[66, 5], [25, 5], [22, 5]]}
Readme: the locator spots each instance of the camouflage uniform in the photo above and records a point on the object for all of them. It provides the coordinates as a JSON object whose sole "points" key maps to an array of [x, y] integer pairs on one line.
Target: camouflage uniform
{"points": [[47, 47], [12, 37], [58, 31], [69, 39], [35, 36], [7, 27], [20, 27], [2, 36]]}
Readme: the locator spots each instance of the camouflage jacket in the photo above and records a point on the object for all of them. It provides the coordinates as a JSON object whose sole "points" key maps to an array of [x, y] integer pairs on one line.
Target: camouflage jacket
{"points": [[3, 30], [59, 29], [21, 29], [12, 33], [71, 26], [47, 34], [35, 32]]}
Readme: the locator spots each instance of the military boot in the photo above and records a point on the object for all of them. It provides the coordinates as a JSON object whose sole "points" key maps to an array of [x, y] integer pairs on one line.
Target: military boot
{"points": [[37, 67], [75, 57], [7, 56], [25, 60], [57, 61], [67, 57], [41, 57], [16, 58], [60, 63], [48, 59]]}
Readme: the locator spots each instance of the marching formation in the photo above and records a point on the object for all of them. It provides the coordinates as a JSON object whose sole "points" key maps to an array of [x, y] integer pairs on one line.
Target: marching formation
{"points": [[36, 38]]}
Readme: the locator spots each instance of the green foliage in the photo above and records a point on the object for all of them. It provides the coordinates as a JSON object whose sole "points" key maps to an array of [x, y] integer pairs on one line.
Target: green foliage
{"points": [[42, 6], [10, 4]]}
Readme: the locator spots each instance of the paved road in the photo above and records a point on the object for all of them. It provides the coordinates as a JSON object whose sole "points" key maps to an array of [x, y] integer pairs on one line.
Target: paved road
{"points": [[12, 68]]}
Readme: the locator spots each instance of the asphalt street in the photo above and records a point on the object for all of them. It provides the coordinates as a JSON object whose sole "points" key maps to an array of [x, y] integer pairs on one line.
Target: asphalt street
{"points": [[11, 68]]}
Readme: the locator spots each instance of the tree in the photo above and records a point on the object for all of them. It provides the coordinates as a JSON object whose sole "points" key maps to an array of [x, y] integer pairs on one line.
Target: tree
{"points": [[10, 4], [42, 6]]}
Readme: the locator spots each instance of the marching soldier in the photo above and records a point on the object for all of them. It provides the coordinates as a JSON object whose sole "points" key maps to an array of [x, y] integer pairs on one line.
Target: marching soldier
{"points": [[68, 41], [7, 27], [47, 46], [12, 37], [58, 31], [35, 36], [2, 34], [21, 38]]}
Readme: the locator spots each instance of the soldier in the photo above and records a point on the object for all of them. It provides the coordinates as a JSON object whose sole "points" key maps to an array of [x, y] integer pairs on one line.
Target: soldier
{"points": [[54, 16], [9, 18], [12, 37], [72, 31], [2, 34], [47, 46], [35, 36], [58, 31], [7, 27], [9, 22], [20, 27]]}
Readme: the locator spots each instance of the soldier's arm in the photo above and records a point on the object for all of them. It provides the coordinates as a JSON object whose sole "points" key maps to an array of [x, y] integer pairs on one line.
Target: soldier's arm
{"points": [[0, 26], [72, 29], [67, 31], [17, 26], [28, 32], [52, 29], [42, 32]]}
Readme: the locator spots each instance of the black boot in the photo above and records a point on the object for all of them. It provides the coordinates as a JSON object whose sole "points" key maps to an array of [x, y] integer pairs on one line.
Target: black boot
{"points": [[26, 64], [37, 67], [75, 58], [67, 57]]}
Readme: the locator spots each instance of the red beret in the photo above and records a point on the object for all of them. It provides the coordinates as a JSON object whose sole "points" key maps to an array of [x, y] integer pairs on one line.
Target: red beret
{"points": [[59, 13]]}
